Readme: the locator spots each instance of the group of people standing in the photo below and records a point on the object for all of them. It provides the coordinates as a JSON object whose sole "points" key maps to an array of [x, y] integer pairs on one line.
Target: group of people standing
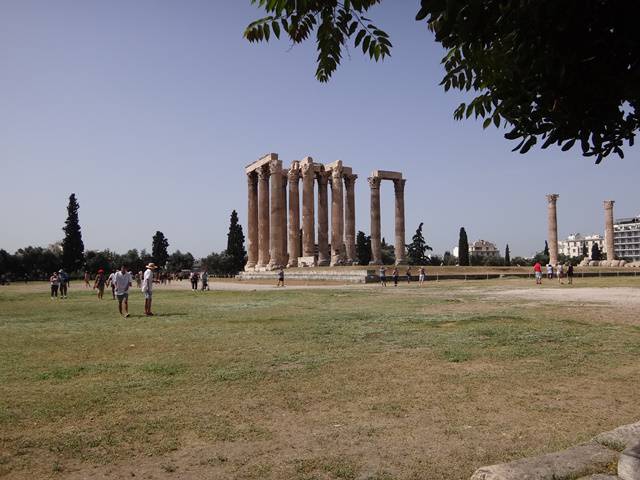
{"points": [[395, 275], [120, 282], [59, 281], [196, 277], [561, 271]]}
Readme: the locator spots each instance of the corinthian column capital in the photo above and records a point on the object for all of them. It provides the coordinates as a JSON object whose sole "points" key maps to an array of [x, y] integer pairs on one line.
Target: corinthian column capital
{"points": [[374, 182]]}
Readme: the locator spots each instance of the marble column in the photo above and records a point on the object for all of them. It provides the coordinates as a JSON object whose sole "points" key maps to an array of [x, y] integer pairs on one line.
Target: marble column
{"points": [[398, 187], [350, 219], [263, 216], [608, 229], [284, 252], [275, 232], [323, 220], [252, 220], [337, 217], [294, 215], [308, 202], [552, 224], [376, 250]]}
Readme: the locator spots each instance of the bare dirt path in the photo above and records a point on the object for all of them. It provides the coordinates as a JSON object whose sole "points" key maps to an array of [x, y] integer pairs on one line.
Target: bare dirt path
{"points": [[624, 296]]}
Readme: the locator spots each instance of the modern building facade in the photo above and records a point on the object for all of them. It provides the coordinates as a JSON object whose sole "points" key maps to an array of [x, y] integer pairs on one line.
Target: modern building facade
{"points": [[574, 244], [626, 238], [483, 248]]}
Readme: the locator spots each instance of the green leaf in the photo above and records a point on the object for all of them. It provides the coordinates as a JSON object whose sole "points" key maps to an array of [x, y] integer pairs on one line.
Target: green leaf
{"points": [[360, 36], [486, 123], [276, 29]]}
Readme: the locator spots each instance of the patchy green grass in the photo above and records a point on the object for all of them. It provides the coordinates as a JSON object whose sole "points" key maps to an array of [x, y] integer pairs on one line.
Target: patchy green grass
{"points": [[337, 383]]}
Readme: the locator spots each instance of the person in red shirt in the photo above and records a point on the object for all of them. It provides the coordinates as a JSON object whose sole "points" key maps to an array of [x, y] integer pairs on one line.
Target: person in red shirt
{"points": [[537, 269]]}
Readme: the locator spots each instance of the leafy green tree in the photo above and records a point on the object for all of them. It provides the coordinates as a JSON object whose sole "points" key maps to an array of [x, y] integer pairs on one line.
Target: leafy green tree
{"points": [[180, 261], [219, 264], [388, 253], [585, 250], [596, 254], [363, 248], [507, 256], [529, 76], [463, 248], [159, 249], [417, 249], [546, 248], [448, 259], [131, 260], [97, 259], [72, 245], [235, 244]]}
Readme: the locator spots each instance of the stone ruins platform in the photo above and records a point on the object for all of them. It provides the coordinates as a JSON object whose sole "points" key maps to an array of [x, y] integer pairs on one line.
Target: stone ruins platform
{"points": [[344, 274]]}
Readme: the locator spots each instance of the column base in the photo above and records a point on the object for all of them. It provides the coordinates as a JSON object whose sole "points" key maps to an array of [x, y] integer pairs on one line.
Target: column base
{"points": [[375, 262], [249, 267], [292, 263], [402, 261], [323, 262]]}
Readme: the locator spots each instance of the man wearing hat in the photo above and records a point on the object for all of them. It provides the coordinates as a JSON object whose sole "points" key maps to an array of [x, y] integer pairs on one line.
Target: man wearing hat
{"points": [[147, 287], [64, 283]]}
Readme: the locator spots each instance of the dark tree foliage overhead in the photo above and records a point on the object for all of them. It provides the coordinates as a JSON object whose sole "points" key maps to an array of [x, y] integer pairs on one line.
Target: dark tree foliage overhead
{"points": [[72, 245], [363, 248], [463, 248], [159, 249], [235, 243], [417, 249], [553, 72]]}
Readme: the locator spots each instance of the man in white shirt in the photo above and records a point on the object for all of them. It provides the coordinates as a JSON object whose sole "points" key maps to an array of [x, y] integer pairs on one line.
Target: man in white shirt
{"points": [[147, 288], [122, 282], [111, 283]]}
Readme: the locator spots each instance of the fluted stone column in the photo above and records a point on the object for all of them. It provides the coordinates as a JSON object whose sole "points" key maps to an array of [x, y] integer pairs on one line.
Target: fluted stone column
{"points": [[275, 233], [323, 220], [252, 220], [552, 223], [294, 215], [308, 202], [608, 229], [350, 219], [263, 216], [337, 217], [376, 251], [398, 187], [284, 258]]}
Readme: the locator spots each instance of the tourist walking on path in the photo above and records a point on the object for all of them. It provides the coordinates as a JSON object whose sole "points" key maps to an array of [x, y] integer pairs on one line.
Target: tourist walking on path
{"points": [[194, 280], [394, 274], [408, 274], [205, 280], [64, 283], [147, 288], [537, 270], [421, 276], [86, 280], [570, 274], [123, 282], [280, 278], [549, 271], [54, 281], [112, 284], [99, 283], [383, 276], [560, 270]]}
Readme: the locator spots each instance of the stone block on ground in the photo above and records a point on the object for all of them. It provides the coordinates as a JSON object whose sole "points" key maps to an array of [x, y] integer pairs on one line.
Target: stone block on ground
{"points": [[629, 463], [620, 438], [599, 476], [582, 460]]}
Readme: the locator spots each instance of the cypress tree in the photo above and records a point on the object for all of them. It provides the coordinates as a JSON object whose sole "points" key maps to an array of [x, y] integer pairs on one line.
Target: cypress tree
{"points": [[463, 248], [235, 243], [546, 249], [595, 252], [585, 249], [507, 256], [417, 249], [159, 251], [363, 248], [72, 245]]}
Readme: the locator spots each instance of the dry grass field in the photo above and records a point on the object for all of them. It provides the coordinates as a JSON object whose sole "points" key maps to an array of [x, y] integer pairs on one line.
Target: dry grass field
{"points": [[353, 382]]}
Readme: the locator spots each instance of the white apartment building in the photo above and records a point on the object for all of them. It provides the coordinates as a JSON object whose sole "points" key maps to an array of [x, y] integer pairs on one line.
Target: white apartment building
{"points": [[483, 248], [574, 244], [626, 238]]}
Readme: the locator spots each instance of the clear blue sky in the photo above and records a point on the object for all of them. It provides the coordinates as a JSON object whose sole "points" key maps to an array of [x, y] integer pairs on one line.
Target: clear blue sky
{"points": [[149, 110]]}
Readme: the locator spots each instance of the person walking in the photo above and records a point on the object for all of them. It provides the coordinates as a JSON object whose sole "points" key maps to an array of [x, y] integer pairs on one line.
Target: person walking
{"points": [[99, 283], [280, 278], [54, 281], [64, 283], [194, 280], [560, 270], [383, 276], [394, 274], [408, 274], [86, 279], [147, 288], [122, 281], [205, 280], [549, 271], [421, 276], [537, 270], [570, 274], [111, 282]]}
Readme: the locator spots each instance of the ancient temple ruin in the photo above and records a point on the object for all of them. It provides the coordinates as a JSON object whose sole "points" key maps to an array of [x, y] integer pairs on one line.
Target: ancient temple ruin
{"points": [[279, 236]]}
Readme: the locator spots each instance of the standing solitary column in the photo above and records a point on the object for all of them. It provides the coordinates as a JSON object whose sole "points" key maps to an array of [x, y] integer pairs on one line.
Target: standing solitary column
{"points": [[294, 215], [284, 259], [376, 252], [398, 187], [350, 218], [552, 221], [323, 220], [263, 216], [252, 220], [308, 201], [337, 216], [608, 229], [275, 242]]}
